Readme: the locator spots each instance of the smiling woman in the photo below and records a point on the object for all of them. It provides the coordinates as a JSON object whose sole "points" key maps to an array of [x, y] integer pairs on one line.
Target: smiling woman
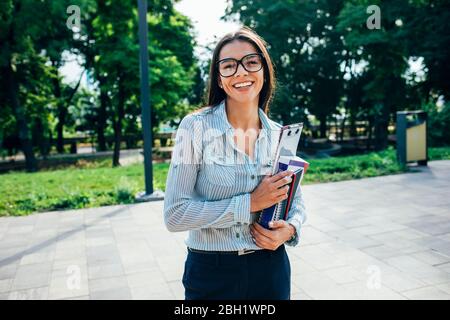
{"points": [[217, 183]]}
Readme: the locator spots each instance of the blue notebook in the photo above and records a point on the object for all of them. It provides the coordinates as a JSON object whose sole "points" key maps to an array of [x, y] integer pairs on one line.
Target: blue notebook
{"points": [[280, 210]]}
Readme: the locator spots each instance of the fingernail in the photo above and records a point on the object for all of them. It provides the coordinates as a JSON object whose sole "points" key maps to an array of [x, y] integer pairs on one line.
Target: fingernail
{"points": [[271, 224]]}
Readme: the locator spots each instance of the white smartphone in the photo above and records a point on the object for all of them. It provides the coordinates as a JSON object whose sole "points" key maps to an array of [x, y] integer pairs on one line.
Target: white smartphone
{"points": [[288, 142]]}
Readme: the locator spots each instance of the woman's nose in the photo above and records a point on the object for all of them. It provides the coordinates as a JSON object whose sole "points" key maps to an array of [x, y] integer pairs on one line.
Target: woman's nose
{"points": [[240, 70]]}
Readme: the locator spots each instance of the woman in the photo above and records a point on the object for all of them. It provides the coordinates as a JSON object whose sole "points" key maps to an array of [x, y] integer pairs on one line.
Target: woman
{"points": [[218, 182]]}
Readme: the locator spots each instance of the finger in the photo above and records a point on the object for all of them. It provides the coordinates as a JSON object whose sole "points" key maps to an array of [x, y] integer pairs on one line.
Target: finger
{"points": [[258, 235], [286, 181], [278, 196], [278, 224], [283, 181], [281, 191], [261, 230], [263, 242], [261, 239], [265, 245], [259, 244], [281, 175]]}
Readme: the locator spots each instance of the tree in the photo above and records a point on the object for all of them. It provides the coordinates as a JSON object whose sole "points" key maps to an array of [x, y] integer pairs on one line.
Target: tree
{"points": [[385, 52], [34, 36], [426, 35], [110, 46], [24, 29]]}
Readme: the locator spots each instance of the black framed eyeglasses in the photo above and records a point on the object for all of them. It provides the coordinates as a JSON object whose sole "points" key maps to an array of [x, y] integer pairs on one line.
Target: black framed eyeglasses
{"points": [[252, 62]]}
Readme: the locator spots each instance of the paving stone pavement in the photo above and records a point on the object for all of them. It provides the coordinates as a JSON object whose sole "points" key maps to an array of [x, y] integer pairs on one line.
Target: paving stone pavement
{"points": [[377, 238]]}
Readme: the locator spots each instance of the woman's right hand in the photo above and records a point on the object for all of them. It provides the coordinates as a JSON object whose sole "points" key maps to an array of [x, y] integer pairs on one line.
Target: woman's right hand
{"points": [[270, 191]]}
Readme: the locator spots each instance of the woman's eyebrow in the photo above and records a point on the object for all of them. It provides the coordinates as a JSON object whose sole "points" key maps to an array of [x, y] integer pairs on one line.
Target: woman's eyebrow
{"points": [[237, 58]]}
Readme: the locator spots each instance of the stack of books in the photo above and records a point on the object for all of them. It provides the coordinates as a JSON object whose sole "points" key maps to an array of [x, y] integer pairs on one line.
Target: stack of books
{"points": [[280, 210], [286, 160]]}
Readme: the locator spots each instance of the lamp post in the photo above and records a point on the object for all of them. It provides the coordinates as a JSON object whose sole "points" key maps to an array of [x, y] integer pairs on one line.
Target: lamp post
{"points": [[148, 194]]}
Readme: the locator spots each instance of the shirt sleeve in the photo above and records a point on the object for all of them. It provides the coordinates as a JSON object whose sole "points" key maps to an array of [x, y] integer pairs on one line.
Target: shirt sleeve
{"points": [[297, 216], [182, 211]]}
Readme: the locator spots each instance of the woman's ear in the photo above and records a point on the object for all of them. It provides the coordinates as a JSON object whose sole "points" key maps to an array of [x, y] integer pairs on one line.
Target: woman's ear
{"points": [[220, 84]]}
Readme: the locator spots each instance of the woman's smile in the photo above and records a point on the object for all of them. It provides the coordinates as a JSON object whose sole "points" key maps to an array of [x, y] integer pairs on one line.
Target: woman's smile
{"points": [[243, 86]]}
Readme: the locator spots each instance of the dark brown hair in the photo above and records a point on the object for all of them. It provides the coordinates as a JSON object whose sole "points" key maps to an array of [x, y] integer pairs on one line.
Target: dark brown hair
{"points": [[216, 94]]}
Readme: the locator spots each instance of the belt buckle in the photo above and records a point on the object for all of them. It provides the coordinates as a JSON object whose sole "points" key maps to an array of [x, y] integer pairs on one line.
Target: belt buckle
{"points": [[244, 252]]}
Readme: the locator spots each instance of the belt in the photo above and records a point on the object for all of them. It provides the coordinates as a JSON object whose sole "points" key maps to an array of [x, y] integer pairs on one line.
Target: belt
{"points": [[239, 252]]}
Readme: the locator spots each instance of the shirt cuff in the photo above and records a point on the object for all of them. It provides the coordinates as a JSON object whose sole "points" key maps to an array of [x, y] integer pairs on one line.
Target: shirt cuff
{"points": [[242, 209], [295, 239]]}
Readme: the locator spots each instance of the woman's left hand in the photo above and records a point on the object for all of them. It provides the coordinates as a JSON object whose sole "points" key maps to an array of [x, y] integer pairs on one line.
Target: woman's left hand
{"points": [[272, 239]]}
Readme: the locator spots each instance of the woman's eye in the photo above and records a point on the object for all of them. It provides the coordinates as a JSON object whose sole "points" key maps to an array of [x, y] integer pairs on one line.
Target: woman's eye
{"points": [[252, 60], [251, 63], [227, 65]]}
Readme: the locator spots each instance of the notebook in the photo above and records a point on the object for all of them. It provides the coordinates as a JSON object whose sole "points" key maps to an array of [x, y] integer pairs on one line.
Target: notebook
{"points": [[280, 210], [298, 166]]}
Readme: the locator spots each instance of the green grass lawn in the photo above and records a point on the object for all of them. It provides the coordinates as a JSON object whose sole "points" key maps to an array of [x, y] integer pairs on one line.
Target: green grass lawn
{"points": [[97, 184]]}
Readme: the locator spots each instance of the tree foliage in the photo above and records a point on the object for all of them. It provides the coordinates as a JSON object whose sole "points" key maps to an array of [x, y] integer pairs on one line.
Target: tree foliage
{"points": [[38, 108]]}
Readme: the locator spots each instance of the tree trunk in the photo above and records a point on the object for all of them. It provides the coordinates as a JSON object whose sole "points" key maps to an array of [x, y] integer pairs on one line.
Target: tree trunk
{"points": [[369, 134], [101, 116], [118, 124], [18, 109], [63, 103], [61, 113], [381, 128], [323, 126], [341, 137], [41, 138], [353, 131], [59, 130], [19, 112], [285, 118]]}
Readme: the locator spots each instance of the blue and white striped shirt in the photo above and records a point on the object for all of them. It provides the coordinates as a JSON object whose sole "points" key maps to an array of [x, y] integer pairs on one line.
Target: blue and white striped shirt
{"points": [[210, 180]]}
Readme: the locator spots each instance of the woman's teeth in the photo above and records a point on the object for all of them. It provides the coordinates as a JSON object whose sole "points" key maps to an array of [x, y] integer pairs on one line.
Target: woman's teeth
{"points": [[242, 84]]}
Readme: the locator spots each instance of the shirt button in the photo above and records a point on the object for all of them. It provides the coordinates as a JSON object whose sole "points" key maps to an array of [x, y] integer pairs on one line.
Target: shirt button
{"points": [[252, 176], [237, 235]]}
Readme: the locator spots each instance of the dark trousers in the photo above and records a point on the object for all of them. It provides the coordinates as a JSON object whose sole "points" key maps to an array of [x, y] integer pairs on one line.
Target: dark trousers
{"points": [[261, 275]]}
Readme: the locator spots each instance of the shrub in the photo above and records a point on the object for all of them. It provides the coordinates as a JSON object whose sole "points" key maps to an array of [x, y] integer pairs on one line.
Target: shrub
{"points": [[124, 191], [73, 200], [124, 195], [438, 124]]}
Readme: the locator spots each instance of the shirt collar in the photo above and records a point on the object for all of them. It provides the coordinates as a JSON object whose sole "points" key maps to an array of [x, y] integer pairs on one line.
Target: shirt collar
{"points": [[224, 125]]}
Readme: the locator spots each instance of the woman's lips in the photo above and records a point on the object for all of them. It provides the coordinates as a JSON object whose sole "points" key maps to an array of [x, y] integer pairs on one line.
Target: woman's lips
{"points": [[245, 88]]}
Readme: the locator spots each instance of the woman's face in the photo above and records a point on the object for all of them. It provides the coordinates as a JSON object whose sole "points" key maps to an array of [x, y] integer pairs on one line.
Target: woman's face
{"points": [[243, 86]]}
